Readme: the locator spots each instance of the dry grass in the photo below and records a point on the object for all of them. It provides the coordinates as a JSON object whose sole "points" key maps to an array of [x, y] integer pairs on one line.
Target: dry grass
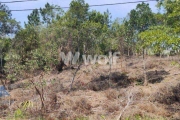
{"points": [[111, 94], [151, 65], [82, 106], [94, 94], [111, 108], [168, 95]]}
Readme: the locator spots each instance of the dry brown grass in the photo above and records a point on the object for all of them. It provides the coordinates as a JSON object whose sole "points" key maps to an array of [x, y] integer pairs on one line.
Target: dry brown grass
{"points": [[149, 108], [92, 96], [111, 94], [82, 106], [111, 108], [151, 65], [168, 94]]}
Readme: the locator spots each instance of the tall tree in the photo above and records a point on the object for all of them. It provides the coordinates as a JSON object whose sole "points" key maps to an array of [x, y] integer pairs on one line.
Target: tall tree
{"points": [[50, 13], [78, 12], [34, 18], [142, 17], [166, 35], [8, 25]]}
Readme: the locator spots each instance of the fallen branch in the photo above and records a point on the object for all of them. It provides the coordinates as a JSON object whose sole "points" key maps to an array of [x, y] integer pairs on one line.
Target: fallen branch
{"points": [[74, 78], [130, 98]]}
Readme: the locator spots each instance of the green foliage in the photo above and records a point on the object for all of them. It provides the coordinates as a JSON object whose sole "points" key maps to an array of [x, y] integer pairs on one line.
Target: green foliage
{"points": [[36, 46], [25, 105], [159, 38], [4, 48], [141, 17], [139, 117], [45, 16], [13, 67], [79, 29], [82, 118], [8, 25], [164, 36], [172, 8], [175, 63], [103, 117], [34, 18], [19, 114], [78, 12], [19, 58], [50, 13]]}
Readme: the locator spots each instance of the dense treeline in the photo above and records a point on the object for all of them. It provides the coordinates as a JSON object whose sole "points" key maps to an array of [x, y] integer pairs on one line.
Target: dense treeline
{"points": [[50, 30]]}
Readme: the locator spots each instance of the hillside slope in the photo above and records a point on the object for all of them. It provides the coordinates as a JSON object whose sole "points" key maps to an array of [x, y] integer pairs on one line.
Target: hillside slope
{"points": [[99, 94]]}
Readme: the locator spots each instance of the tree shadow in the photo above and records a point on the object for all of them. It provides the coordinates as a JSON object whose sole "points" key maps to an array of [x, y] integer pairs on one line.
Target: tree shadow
{"points": [[115, 80], [156, 76], [169, 96]]}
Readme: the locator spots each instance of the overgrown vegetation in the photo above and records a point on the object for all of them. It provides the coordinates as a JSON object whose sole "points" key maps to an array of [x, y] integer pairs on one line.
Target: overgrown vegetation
{"points": [[35, 47], [50, 30]]}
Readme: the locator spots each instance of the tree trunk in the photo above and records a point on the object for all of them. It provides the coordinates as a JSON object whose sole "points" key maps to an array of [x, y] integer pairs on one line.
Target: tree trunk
{"points": [[128, 50], [144, 70]]}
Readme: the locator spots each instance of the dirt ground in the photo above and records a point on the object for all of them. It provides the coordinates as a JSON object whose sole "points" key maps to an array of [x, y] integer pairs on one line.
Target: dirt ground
{"points": [[100, 93]]}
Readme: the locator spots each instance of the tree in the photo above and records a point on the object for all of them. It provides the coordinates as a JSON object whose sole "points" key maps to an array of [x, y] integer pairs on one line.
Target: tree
{"points": [[36, 47], [140, 20], [159, 38], [165, 35], [116, 36], [142, 17], [34, 18], [73, 20], [46, 15], [4, 48], [50, 13], [19, 58], [78, 12], [129, 36], [8, 25]]}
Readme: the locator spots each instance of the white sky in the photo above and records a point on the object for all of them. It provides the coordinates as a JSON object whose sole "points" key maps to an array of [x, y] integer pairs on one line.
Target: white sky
{"points": [[120, 11]]}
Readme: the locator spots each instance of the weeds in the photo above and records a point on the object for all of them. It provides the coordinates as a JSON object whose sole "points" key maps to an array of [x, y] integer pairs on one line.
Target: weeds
{"points": [[82, 118]]}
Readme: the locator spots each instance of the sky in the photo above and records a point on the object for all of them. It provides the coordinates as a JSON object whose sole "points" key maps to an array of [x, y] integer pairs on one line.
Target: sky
{"points": [[119, 11]]}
